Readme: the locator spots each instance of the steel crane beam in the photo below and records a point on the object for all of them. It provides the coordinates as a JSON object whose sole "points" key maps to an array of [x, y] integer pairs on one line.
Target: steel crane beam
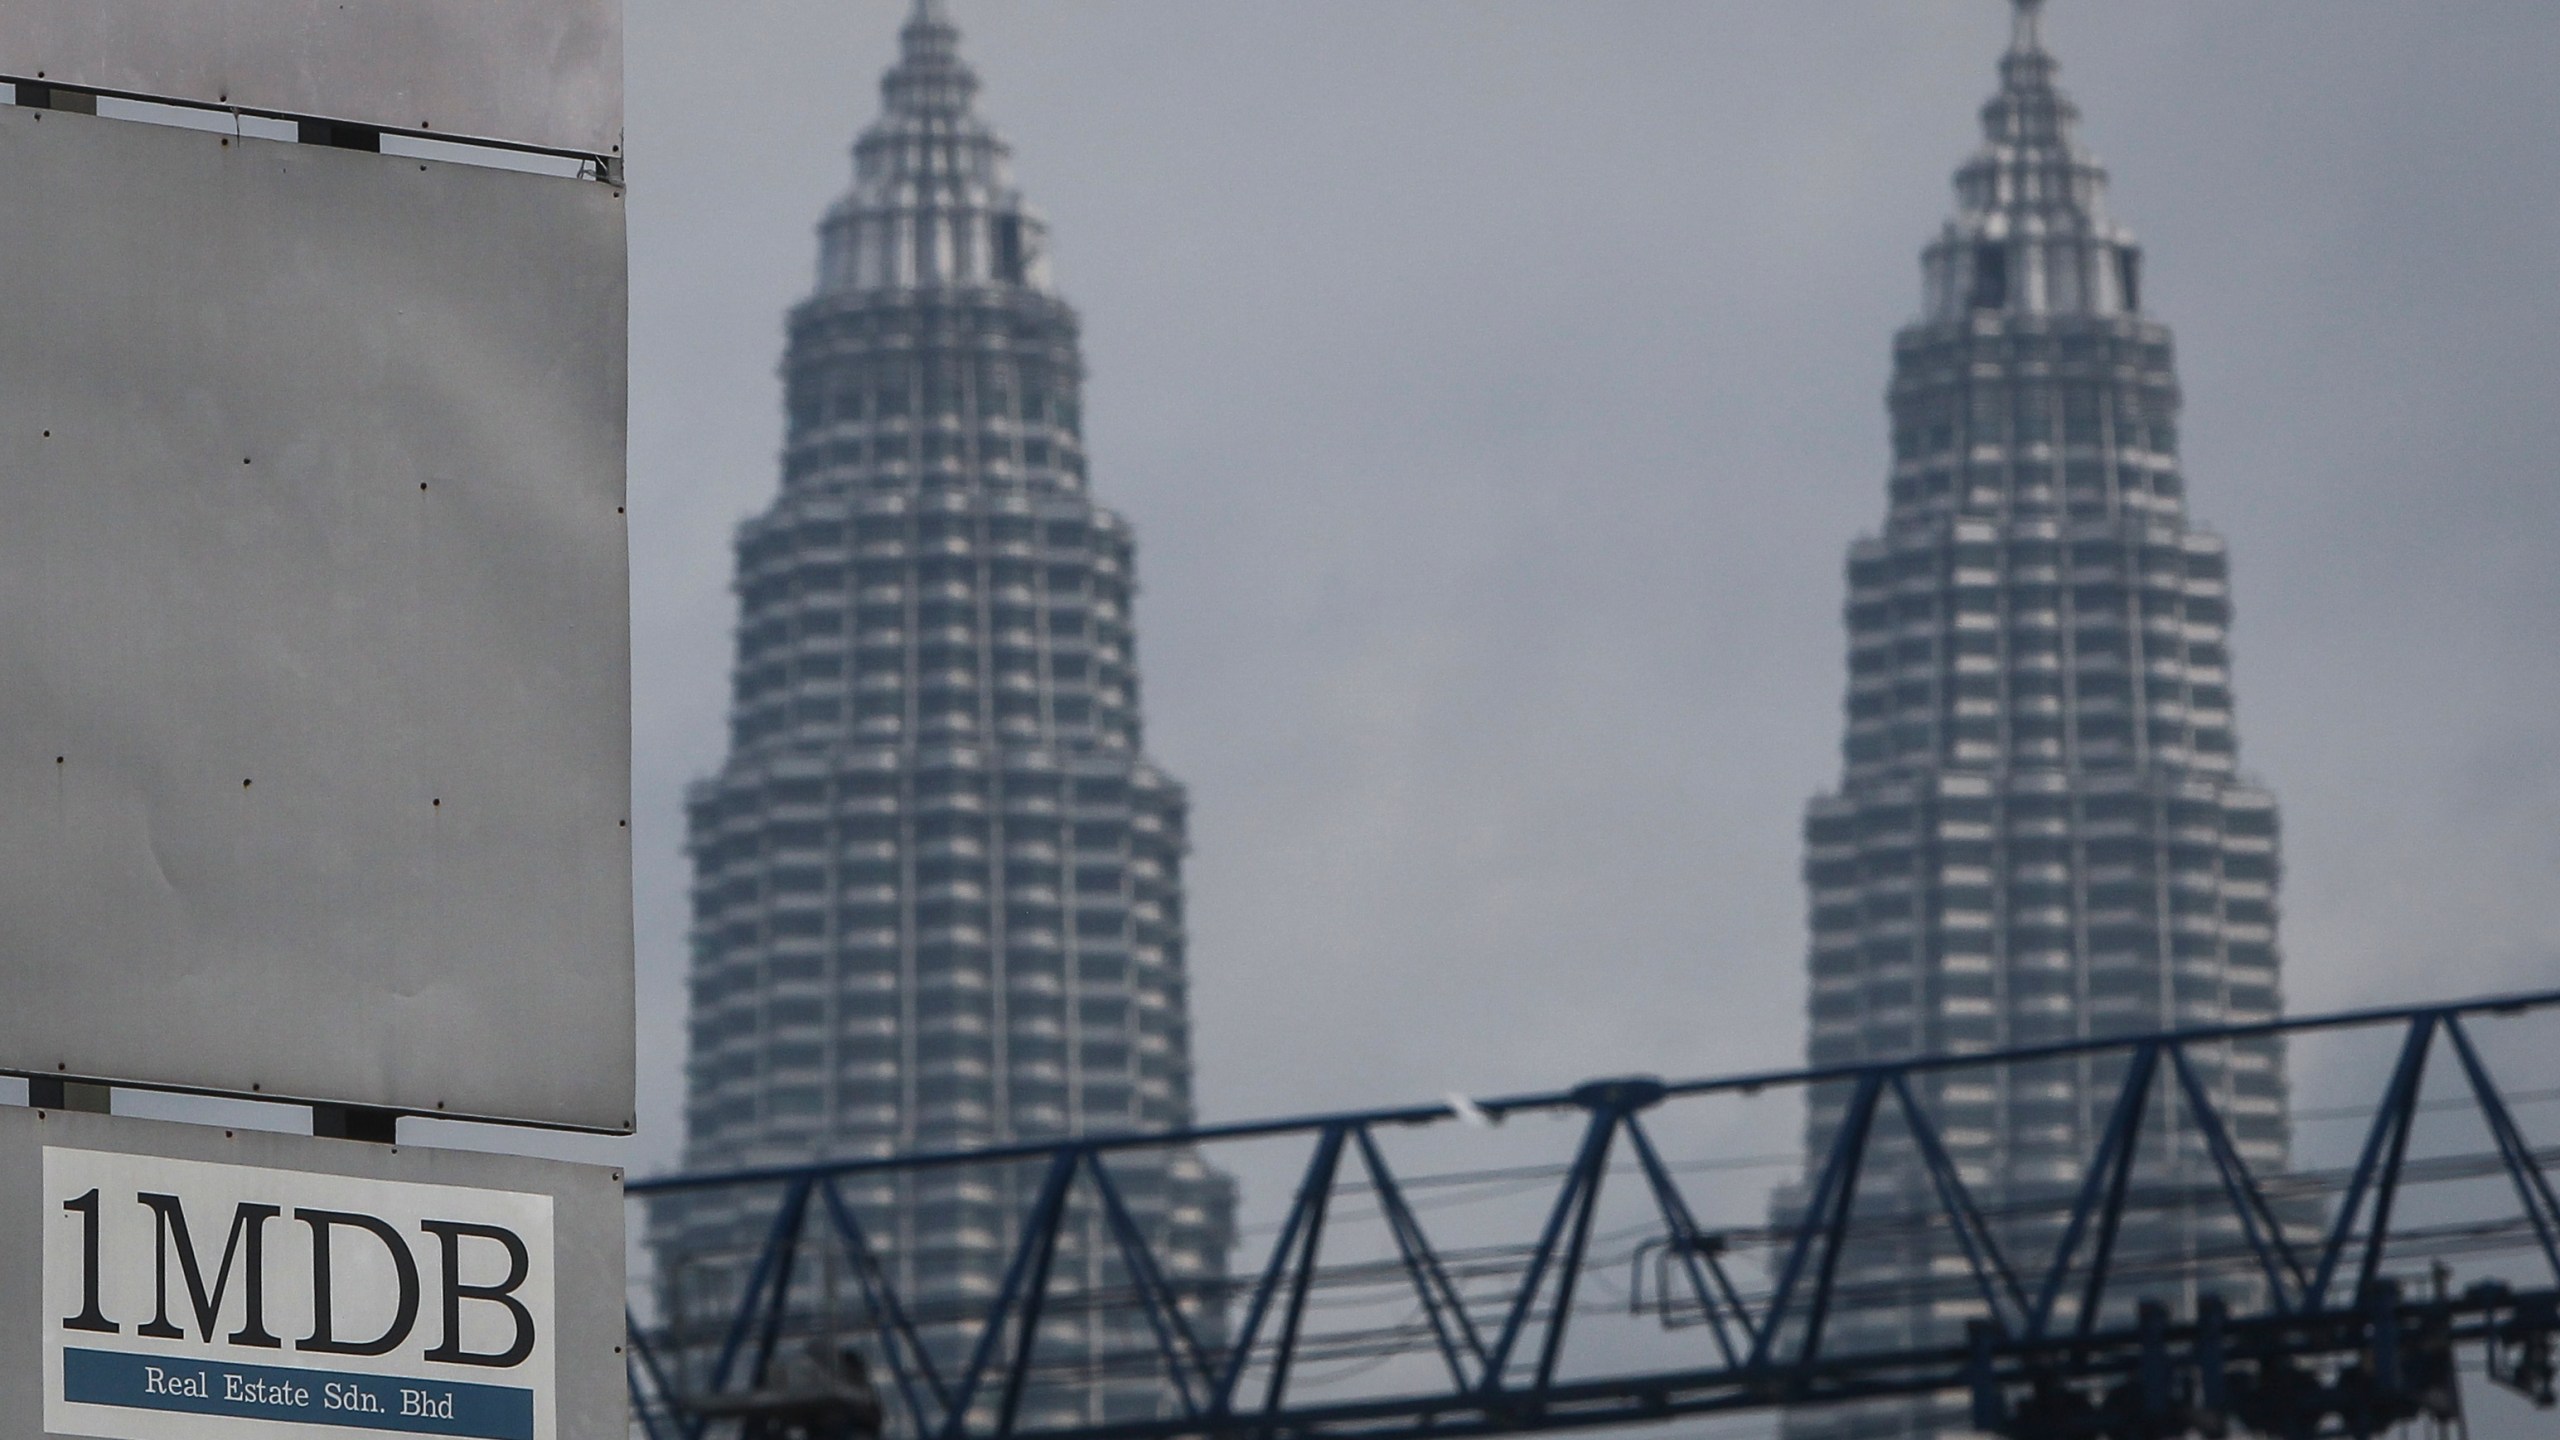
{"points": [[2050, 1356]]}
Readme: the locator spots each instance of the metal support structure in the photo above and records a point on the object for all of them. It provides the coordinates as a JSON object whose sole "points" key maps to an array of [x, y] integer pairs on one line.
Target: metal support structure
{"points": [[356, 1122], [51, 1092], [2300, 1355], [1447, 1309]]}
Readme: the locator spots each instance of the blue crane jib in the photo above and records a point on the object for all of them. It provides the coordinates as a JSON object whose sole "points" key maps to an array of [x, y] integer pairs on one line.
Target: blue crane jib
{"points": [[2181, 1281]]}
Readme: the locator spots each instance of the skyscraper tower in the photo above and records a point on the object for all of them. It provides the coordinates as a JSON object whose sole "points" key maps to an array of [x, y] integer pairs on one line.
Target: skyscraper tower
{"points": [[938, 883], [2040, 832]]}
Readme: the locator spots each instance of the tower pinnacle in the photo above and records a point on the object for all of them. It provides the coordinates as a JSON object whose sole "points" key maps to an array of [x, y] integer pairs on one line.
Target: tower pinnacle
{"points": [[933, 202], [929, 79], [2031, 231], [2026, 28]]}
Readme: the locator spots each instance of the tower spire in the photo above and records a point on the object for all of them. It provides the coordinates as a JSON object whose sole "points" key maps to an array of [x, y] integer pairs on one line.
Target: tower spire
{"points": [[2026, 27], [2027, 71], [929, 79], [2031, 230], [933, 201]]}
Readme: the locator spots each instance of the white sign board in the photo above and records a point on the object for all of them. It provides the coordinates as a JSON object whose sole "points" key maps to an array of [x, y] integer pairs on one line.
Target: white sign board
{"points": [[542, 73], [314, 625], [240, 1299], [190, 1300]]}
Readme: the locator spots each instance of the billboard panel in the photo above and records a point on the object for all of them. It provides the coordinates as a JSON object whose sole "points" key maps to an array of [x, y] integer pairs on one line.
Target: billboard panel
{"points": [[180, 1282], [545, 73], [314, 635]]}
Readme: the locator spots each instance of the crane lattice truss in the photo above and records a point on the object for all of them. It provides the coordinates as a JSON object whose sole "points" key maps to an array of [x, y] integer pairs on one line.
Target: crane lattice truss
{"points": [[2301, 1318]]}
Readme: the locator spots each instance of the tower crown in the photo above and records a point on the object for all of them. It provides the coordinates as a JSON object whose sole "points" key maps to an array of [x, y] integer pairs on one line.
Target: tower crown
{"points": [[933, 204], [929, 78], [2031, 233]]}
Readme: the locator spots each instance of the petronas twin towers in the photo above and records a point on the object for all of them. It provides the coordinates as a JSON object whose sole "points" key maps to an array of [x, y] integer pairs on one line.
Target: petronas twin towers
{"points": [[938, 901]]}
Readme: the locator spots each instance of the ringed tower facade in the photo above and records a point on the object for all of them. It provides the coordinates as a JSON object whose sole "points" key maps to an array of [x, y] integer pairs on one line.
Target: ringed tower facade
{"points": [[938, 898], [2041, 831]]}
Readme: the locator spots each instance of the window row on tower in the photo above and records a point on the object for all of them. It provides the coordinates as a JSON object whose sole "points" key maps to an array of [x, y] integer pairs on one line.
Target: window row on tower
{"points": [[1988, 643], [2031, 415], [946, 944], [2038, 487], [1969, 911], [2117, 351], [1973, 411], [988, 614], [1010, 366], [935, 463]]}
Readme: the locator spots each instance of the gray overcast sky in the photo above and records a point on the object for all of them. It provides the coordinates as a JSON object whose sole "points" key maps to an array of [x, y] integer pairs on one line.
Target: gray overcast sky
{"points": [[1494, 388]]}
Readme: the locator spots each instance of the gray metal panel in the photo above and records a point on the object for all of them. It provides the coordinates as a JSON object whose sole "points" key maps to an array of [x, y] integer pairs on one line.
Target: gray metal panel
{"points": [[587, 1241], [545, 73], [314, 624]]}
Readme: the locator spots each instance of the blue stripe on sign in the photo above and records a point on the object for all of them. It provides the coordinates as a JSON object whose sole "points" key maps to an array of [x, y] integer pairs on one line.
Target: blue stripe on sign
{"points": [[305, 1397]]}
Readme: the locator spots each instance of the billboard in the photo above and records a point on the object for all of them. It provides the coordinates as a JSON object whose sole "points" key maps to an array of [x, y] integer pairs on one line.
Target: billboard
{"points": [[179, 1282], [541, 73], [314, 625]]}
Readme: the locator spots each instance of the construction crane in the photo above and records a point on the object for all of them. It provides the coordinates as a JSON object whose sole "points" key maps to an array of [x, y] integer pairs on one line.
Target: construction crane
{"points": [[2292, 1301]]}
